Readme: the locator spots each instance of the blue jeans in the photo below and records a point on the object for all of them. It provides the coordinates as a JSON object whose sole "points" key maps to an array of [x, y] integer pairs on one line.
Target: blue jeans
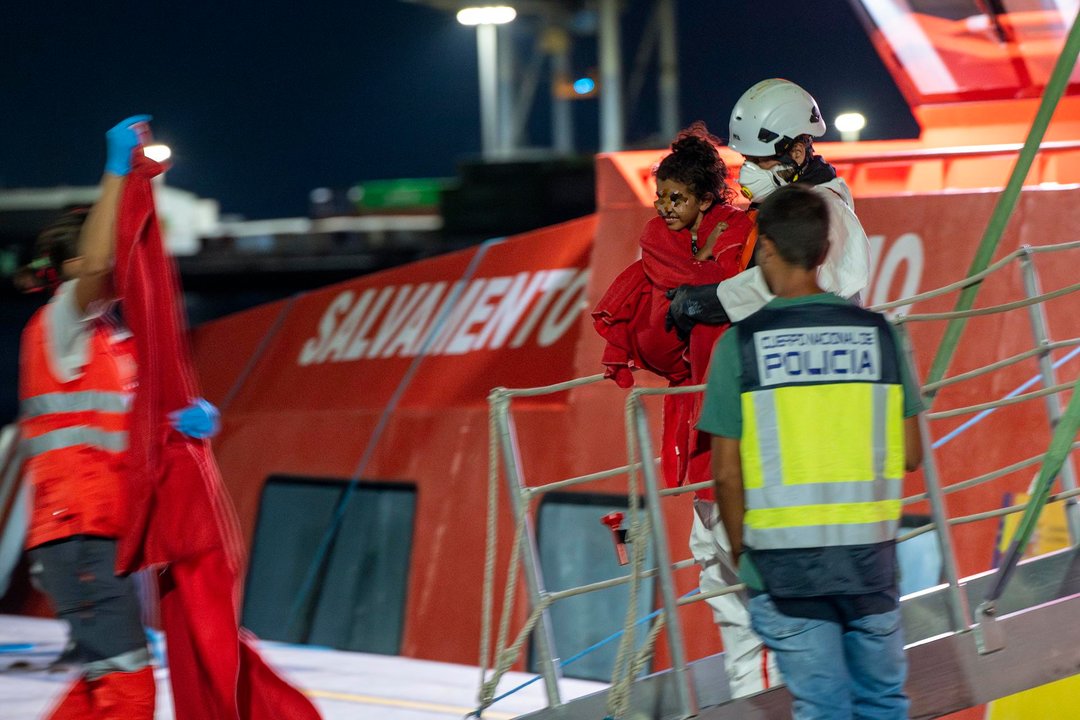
{"points": [[837, 670]]}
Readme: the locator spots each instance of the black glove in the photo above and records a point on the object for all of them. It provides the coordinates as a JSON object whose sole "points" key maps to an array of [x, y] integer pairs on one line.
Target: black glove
{"points": [[693, 304]]}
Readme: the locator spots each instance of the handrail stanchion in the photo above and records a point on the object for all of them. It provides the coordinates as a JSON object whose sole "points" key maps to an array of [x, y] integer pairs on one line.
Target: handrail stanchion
{"points": [[958, 605], [988, 635], [684, 686], [1039, 328], [545, 641]]}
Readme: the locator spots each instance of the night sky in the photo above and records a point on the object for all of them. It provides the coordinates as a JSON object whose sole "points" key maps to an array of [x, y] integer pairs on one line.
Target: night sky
{"points": [[263, 102]]}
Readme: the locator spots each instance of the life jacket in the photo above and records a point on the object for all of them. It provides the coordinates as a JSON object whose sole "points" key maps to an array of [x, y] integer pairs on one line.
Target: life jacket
{"points": [[822, 448], [74, 434]]}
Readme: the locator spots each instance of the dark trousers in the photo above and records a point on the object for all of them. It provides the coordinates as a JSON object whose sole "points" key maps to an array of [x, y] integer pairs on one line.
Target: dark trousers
{"points": [[102, 609]]}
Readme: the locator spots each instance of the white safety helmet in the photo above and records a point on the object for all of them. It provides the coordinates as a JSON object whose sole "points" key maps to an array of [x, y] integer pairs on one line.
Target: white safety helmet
{"points": [[770, 115]]}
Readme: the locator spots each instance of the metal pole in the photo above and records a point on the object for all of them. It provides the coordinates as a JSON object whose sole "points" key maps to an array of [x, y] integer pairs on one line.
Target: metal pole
{"points": [[684, 684], [1054, 409], [505, 72], [958, 606], [1055, 88], [487, 61], [530, 555], [562, 122], [669, 69], [1058, 451], [611, 120]]}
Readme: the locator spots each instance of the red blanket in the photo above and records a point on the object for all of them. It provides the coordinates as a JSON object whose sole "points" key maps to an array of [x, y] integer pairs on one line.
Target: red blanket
{"points": [[630, 317], [179, 512]]}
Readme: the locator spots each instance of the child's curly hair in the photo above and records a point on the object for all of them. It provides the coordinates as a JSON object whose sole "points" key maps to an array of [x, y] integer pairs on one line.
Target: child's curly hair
{"points": [[695, 162]]}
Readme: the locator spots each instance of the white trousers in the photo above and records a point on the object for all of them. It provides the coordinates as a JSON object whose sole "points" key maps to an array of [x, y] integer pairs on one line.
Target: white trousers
{"points": [[750, 667]]}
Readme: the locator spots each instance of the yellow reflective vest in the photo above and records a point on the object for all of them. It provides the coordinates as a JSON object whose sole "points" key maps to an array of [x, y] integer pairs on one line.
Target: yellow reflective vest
{"points": [[822, 447]]}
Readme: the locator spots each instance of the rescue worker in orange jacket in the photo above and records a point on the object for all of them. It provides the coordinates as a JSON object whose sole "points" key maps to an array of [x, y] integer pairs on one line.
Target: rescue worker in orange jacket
{"points": [[77, 375]]}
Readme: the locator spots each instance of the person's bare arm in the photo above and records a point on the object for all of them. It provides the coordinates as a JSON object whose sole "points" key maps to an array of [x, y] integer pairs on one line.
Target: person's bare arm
{"points": [[97, 241], [728, 485], [912, 444], [97, 244]]}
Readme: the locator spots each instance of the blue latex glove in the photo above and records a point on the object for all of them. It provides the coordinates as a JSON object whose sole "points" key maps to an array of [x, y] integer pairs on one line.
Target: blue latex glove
{"points": [[120, 141], [198, 420]]}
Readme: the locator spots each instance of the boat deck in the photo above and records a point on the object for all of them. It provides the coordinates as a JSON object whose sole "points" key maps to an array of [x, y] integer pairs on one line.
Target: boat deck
{"points": [[343, 684]]}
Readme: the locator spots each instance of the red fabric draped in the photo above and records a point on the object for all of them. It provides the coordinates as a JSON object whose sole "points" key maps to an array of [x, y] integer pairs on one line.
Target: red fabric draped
{"points": [[178, 511], [630, 317]]}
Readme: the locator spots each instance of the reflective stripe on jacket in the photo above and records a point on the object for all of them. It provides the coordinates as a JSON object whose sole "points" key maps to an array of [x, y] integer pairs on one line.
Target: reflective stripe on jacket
{"points": [[75, 433], [823, 441]]}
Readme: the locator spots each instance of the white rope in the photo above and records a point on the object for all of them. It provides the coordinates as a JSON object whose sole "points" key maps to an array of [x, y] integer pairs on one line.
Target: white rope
{"points": [[951, 287], [970, 374], [977, 277], [616, 581], [921, 530], [991, 309], [550, 389], [964, 519], [980, 479], [497, 405], [1036, 249], [683, 489], [1024, 397], [505, 658], [618, 701], [505, 655], [582, 479], [698, 597], [487, 600]]}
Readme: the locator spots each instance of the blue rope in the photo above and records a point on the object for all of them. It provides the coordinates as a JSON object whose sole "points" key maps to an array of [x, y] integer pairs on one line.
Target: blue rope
{"points": [[563, 663], [255, 356], [986, 413], [380, 427]]}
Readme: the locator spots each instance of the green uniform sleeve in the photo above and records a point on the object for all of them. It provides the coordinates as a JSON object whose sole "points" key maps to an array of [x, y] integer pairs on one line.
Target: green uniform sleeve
{"points": [[721, 413], [913, 404]]}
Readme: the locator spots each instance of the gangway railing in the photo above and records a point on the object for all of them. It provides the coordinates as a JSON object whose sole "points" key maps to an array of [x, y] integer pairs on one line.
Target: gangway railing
{"points": [[648, 523]]}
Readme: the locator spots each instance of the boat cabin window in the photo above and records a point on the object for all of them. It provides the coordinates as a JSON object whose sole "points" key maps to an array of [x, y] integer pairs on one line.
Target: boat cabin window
{"points": [[576, 548], [318, 581]]}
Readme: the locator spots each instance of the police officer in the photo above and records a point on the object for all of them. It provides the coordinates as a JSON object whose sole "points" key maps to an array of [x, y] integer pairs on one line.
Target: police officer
{"points": [[814, 421]]}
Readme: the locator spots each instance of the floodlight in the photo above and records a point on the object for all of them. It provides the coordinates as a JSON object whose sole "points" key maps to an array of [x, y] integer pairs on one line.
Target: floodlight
{"points": [[491, 15], [850, 122]]}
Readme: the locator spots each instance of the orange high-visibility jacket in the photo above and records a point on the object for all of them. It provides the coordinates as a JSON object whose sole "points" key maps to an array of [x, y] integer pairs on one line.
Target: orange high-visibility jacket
{"points": [[75, 433]]}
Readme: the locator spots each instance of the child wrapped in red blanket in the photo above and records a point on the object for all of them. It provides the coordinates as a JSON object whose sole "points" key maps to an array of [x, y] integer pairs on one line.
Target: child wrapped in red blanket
{"points": [[697, 237]]}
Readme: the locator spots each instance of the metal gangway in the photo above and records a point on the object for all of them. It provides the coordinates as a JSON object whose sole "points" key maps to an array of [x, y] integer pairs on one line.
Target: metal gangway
{"points": [[969, 640]]}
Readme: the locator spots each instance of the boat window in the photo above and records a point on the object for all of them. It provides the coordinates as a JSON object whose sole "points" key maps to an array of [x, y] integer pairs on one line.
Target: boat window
{"points": [[577, 549], [340, 584]]}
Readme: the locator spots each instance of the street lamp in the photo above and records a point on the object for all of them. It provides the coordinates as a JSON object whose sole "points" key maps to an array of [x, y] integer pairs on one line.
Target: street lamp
{"points": [[486, 19], [495, 15], [849, 124]]}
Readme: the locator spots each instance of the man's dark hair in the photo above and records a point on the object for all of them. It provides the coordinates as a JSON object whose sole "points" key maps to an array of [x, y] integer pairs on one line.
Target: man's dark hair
{"points": [[56, 244], [796, 219]]}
